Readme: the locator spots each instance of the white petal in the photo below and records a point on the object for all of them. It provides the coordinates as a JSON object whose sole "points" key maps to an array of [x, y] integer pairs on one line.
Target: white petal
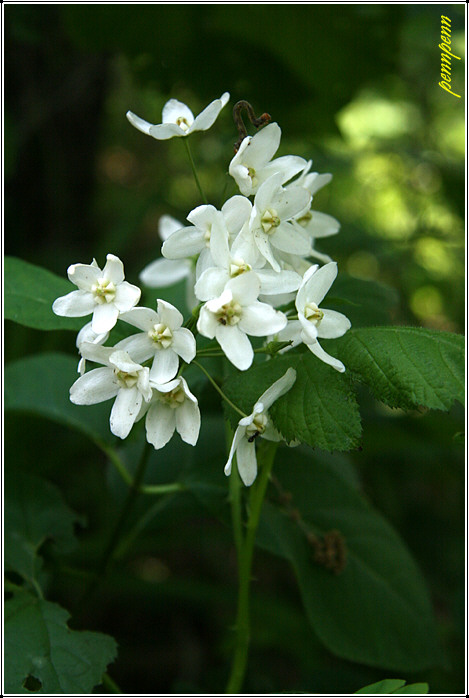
{"points": [[143, 318], [164, 272], [236, 212], [97, 353], [333, 324], [322, 225], [174, 110], [236, 345], [263, 244], [125, 411], [183, 243], [288, 166], [160, 424], [165, 366], [98, 385], [238, 435], [245, 287], [104, 317], [123, 362], [321, 354], [277, 389], [84, 275], [162, 132], [188, 422], [211, 283], [169, 315], [260, 319], [292, 201], [247, 462], [264, 145], [267, 192], [141, 124], [292, 332], [289, 239], [167, 225], [207, 117], [273, 282], [139, 346], [127, 295], [320, 282], [74, 304], [184, 344], [114, 269], [301, 299], [207, 323]]}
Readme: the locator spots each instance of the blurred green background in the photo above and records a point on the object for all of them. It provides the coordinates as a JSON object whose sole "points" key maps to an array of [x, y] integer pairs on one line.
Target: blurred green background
{"points": [[355, 88]]}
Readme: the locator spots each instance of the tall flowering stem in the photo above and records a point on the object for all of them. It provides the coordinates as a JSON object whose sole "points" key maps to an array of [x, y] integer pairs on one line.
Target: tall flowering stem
{"points": [[265, 458], [194, 171]]}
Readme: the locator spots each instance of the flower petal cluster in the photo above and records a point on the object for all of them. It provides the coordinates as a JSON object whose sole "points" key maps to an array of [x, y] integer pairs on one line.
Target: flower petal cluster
{"points": [[252, 165], [173, 408], [178, 120], [314, 322], [162, 339], [257, 424], [101, 292], [237, 313], [120, 378]]}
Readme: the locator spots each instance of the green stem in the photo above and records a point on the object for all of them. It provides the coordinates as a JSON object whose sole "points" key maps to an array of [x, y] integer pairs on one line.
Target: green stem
{"points": [[194, 171], [265, 456], [218, 389], [110, 685]]}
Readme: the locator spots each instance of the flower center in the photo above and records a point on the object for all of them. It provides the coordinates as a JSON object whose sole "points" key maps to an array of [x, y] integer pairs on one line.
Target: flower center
{"points": [[208, 235], [305, 219], [238, 266], [104, 291], [174, 398], [182, 122], [126, 380], [252, 176], [229, 314], [313, 314], [257, 427], [270, 220], [161, 335]]}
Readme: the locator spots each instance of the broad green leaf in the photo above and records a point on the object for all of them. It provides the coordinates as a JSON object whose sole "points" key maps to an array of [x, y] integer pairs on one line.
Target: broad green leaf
{"points": [[40, 646], [29, 293], [34, 512], [384, 686], [40, 385], [406, 366], [376, 611], [390, 686], [320, 409]]}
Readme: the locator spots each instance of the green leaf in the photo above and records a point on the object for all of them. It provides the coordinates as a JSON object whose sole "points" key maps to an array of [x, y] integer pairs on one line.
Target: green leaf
{"points": [[376, 611], [40, 646], [40, 385], [320, 409], [29, 293], [34, 513], [389, 686], [407, 366]]}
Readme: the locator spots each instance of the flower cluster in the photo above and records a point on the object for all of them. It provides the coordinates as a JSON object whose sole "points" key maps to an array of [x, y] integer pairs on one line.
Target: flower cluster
{"points": [[241, 263]]}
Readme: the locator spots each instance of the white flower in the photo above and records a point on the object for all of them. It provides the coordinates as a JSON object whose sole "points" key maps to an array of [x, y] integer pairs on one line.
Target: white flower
{"points": [[162, 337], [86, 334], [257, 424], [252, 165], [173, 407], [314, 322], [237, 313], [103, 293], [166, 272], [208, 226], [273, 208], [121, 378], [178, 120], [244, 256]]}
